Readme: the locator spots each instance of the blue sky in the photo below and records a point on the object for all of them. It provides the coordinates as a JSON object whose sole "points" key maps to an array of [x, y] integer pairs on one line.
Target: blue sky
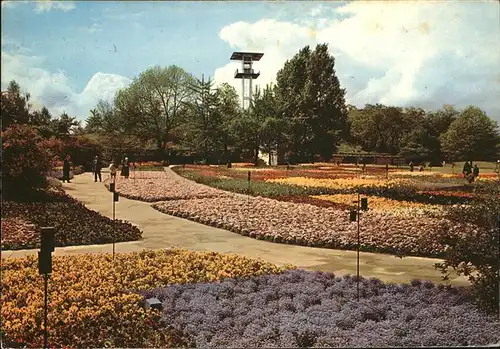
{"points": [[70, 54]]}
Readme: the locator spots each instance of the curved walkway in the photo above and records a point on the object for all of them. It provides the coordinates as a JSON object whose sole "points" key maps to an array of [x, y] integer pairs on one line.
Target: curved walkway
{"points": [[164, 231]]}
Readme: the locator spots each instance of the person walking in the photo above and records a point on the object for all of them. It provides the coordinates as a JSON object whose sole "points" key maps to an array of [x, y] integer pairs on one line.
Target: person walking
{"points": [[112, 171], [125, 168], [467, 169], [66, 169], [96, 168], [475, 173]]}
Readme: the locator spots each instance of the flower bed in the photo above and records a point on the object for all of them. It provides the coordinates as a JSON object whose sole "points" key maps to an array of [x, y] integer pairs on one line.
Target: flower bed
{"points": [[315, 309], [396, 189], [309, 225], [375, 202], [342, 183], [93, 302], [154, 186], [75, 224]]}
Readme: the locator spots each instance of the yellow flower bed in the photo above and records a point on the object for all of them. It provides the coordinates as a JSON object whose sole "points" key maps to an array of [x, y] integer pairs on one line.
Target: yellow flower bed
{"points": [[374, 202], [339, 183], [93, 301]]}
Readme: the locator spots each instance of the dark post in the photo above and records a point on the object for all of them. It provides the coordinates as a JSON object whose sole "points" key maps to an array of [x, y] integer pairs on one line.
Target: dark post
{"points": [[47, 245], [115, 199], [357, 257], [45, 312], [387, 171]]}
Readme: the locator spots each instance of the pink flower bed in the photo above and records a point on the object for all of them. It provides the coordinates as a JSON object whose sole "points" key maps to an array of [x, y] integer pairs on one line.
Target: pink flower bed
{"points": [[154, 186], [309, 225]]}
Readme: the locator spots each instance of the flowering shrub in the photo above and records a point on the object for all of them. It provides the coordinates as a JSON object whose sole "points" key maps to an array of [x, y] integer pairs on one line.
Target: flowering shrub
{"points": [[476, 255], [309, 225], [25, 160], [75, 224], [315, 309], [92, 300]]}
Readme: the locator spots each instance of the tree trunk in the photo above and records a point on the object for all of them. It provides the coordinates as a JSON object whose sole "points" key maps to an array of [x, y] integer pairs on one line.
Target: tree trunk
{"points": [[256, 156], [226, 159]]}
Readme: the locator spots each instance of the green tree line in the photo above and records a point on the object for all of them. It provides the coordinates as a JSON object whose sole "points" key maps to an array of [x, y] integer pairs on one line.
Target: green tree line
{"points": [[303, 116]]}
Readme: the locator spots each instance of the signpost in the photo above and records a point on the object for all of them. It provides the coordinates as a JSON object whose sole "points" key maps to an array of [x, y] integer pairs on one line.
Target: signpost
{"points": [[47, 245], [112, 189], [361, 205]]}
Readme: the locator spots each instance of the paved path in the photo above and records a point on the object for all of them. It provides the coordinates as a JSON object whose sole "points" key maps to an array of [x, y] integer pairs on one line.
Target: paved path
{"points": [[164, 231]]}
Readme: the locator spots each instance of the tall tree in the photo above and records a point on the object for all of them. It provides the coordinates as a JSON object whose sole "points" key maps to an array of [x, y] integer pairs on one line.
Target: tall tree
{"points": [[290, 91], [379, 128], [203, 119], [229, 109], [472, 136], [15, 107], [153, 106], [94, 123], [310, 96]]}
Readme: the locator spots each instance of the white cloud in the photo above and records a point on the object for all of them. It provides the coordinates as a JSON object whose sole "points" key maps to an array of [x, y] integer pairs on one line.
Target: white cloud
{"points": [[9, 4], [47, 5], [94, 28], [400, 53], [53, 89]]}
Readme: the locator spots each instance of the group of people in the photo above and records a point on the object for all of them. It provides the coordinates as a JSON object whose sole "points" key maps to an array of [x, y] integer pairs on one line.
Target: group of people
{"points": [[470, 172], [113, 168]]}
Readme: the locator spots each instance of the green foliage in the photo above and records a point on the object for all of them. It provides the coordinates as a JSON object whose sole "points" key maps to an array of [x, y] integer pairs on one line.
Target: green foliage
{"points": [[477, 254], [154, 105], [25, 159], [204, 121], [94, 123], [309, 96], [81, 150], [14, 106], [380, 128], [473, 135]]}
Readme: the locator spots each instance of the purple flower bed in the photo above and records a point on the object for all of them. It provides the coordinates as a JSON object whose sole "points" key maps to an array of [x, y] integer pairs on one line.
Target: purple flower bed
{"points": [[314, 309]]}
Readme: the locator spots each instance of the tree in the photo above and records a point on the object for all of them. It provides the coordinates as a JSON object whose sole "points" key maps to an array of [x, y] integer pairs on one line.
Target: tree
{"points": [[379, 128], [94, 123], [472, 136], [153, 106], [25, 160], [309, 96], [229, 109], [15, 108], [64, 125], [203, 119]]}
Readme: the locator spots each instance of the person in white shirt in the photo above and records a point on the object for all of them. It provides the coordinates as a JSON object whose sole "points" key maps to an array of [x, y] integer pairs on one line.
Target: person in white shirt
{"points": [[112, 170]]}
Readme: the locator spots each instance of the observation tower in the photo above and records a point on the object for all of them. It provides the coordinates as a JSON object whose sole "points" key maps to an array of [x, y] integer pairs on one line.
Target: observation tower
{"points": [[246, 74]]}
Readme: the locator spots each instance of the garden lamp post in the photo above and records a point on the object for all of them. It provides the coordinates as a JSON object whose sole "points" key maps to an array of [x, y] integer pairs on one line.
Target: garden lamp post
{"points": [[47, 246], [361, 205]]}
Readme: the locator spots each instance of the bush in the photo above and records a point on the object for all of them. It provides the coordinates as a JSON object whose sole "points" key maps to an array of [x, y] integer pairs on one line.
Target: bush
{"points": [[25, 159], [476, 255]]}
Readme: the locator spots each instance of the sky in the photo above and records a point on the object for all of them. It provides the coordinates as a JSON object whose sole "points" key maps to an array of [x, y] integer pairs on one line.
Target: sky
{"points": [[69, 54]]}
